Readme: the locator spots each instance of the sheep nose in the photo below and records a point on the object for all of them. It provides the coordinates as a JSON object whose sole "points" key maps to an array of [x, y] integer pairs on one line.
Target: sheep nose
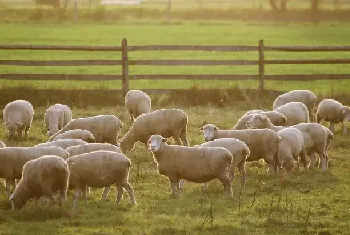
{"points": [[247, 124], [207, 139]]}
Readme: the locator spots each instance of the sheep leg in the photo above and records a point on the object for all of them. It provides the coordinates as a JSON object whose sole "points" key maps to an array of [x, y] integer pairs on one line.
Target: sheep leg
{"points": [[324, 161], [19, 132], [105, 193], [84, 193], [177, 140], [303, 159], [344, 128], [130, 192], [131, 117], [318, 119], [241, 170], [8, 183], [119, 193], [184, 138], [174, 187], [312, 160], [181, 184], [331, 127], [226, 182], [26, 131], [76, 196]]}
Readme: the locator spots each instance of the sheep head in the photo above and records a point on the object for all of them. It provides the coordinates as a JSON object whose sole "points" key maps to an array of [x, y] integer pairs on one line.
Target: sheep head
{"points": [[208, 131], [155, 143], [258, 121]]}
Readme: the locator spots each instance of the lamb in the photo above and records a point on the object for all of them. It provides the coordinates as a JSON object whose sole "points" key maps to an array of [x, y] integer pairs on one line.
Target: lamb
{"points": [[239, 151], [165, 122], [41, 177], [295, 112], [2, 144], [13, 159], [276, 118], [18, 117], [333, 112], [261, 143], [317, 138], [76, 134], [56, 117], [137, 103], [87, 148], [63, 143], [291, 147], [194, 164], [100, 169], [105, 128]]}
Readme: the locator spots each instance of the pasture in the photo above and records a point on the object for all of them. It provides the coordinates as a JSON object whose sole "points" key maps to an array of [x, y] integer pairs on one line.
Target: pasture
{"points": [[312, 202]]}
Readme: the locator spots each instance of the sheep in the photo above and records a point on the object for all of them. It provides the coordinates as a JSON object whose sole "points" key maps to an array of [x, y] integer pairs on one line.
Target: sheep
{"points": [[165, 122], [100, 169], [105, 128], [90, 147], [2, 144], [18, 117], [239, 151], [295, 112], [194, 164], [137, 102], [41, 177], [13, 158], [333, 111], [63, 143], [76, 134], [305, 96], [56, 117], [291, 147], [317, 138], [276, 118], [261, 143]]}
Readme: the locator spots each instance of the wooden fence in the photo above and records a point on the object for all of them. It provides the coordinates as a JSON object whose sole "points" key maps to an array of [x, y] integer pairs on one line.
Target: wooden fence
{"points": [[125, 62]]}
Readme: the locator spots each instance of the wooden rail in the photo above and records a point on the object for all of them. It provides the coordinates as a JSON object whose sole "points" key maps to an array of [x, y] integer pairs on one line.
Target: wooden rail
{"points": [[125, 63]]}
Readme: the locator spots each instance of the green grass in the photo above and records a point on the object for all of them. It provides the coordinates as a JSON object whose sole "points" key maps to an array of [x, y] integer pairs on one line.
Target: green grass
{"points": [[266, 206], [227, 33]]}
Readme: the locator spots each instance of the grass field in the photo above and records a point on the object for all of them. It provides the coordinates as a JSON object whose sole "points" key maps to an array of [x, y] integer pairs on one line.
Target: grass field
{"points": [[229, 33], [313, 202]]}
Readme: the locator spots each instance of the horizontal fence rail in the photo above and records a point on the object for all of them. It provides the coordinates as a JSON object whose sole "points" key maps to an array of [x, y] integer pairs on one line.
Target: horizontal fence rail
{"points": [[125, 63]]}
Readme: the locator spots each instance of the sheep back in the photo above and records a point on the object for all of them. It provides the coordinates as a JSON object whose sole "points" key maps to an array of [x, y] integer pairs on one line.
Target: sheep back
{"points": [[90, 147]]}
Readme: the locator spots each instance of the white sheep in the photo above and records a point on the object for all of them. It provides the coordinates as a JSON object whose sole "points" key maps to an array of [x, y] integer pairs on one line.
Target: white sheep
{"points": [[239, 151], [63, 143], [90, 147], [42, 177], [2, 144], [105, 128], [137, 102], [76, 134], [295, 112], [276, 118], [317, 138], [305, 96], [18, 117], [165, 122], [263, 144], [13, 158], [194, 164], [291, 148], [100, 169], [333, 112], [56, 117]]}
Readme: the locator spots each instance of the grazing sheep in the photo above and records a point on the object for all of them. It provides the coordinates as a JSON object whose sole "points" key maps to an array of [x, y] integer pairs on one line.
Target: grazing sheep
{"points": [[56, 117], [63, 143], [291, 147], [239, 151], [317, 138], [137, 102], [41, 177], [333, 112], [90, 147], [165, 122], [100, 169], [105, 128], [261, 143], [276, 118], [305, 96], [13, 158], [76, 134], [295, 112], [2, 144], [18, 117], [194, 164]]}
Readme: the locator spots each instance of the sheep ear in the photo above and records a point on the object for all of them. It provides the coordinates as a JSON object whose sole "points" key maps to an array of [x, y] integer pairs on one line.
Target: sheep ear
{"points": [[19, 124], [343, 111], [201, 128], [263, 117], [164, 140], [215, 128]]}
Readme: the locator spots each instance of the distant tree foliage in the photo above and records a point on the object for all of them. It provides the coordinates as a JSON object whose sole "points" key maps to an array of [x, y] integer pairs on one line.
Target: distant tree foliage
{"points": [[281, 5], [54, 3]]}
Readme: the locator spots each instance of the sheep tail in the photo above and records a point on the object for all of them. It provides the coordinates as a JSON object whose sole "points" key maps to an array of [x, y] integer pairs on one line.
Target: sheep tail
{"points": [[330, 135]]}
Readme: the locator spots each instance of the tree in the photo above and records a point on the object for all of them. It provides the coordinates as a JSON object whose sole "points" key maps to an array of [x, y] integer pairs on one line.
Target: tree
{"points": [[314, 5], [282, 6]]}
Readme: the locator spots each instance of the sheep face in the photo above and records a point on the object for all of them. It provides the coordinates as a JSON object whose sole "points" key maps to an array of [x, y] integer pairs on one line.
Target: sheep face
{"points": [[346, 113], [17, 202], [12, 127], [155, 143], [208, 132], [258, 121]]}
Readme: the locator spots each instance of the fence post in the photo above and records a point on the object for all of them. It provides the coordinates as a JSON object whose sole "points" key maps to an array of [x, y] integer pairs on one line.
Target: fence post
{"points": [[75, 11], [261, 65], [169, 11], [125, 67]]}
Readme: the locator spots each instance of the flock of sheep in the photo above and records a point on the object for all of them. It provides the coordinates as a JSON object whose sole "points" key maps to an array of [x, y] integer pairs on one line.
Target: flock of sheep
{"points": [[84, 152]]}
